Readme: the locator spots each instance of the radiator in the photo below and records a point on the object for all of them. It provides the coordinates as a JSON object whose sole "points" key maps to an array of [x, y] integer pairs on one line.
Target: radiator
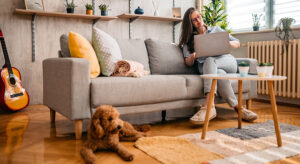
{"points": [[285, 64]]}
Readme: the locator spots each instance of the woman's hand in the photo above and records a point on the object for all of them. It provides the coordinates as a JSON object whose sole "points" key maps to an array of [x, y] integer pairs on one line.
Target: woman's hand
{"points": [[234, 44], [190, 60]]}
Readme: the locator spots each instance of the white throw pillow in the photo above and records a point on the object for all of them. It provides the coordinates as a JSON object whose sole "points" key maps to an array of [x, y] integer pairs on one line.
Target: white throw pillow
{"points": [[107, 50]]}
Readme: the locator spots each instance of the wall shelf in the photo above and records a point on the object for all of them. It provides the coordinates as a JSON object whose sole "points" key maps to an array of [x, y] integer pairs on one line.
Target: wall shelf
{"points": [[95, 18], [133, 17], [34, 13], [64, 15]]}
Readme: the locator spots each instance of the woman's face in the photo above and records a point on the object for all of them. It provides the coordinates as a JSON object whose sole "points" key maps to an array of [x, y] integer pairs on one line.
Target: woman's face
{"points": [[196, 19]]}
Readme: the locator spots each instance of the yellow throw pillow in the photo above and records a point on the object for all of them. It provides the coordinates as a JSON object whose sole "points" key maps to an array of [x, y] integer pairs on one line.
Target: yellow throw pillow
{"points": [[80, 47]]}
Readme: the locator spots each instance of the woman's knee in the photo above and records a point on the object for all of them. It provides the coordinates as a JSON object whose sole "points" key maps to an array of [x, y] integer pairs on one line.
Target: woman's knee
{"points": [[221, 71], [209, 60]]}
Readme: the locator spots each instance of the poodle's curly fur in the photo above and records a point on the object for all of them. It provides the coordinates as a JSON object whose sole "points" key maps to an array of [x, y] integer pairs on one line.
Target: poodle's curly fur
{"points": [[105, 131]]}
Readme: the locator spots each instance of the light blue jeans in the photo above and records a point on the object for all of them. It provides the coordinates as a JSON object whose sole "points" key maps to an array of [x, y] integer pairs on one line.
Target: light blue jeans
{"points": [[220, 65]]}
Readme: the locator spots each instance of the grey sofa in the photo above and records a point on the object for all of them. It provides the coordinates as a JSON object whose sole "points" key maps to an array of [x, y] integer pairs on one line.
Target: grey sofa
{"points": [[172, 86]]}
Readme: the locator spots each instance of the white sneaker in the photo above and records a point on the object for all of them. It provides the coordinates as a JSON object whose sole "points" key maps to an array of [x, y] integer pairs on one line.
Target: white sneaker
{"points": [[199, 117]]}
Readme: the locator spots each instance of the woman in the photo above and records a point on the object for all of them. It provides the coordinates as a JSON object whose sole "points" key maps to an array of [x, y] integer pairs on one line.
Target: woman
{"points": [[193, 25]]}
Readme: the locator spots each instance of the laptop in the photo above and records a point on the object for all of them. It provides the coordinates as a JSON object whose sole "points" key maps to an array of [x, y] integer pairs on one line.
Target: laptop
{"points": [[212, 44]]}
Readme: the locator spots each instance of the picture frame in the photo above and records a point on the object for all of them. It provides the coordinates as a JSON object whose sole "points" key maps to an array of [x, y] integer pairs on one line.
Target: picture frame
{"points": [[34, 5], [176, 12]]}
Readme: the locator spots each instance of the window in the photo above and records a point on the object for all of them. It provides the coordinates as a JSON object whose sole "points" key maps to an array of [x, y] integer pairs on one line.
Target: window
{"points": [[240, 12], [286, 8]]}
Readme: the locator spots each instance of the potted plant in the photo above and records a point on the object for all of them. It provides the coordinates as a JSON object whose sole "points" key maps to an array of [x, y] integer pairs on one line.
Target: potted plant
{"points": [[261, 70], [70, 6], [214, 14], [269, 69], [284, 32], [89, 9], [243, 68], [104, 9], [256, 21]]}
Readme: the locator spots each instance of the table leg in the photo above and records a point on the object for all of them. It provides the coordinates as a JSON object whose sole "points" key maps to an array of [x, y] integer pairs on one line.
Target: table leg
{"points": [[274, 112], [209, 105], [240, 103]]}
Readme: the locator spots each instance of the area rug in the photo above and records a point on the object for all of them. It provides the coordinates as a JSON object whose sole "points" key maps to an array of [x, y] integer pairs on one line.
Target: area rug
{"points": [[174, 150], [254, 143]]}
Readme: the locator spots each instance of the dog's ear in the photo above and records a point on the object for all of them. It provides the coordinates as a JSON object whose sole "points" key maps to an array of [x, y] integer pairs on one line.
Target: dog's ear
{"points": [[99, 132]]}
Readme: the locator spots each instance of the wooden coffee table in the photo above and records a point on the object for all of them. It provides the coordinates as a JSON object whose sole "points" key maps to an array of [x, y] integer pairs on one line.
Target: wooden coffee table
{"points": [[240, 79]]}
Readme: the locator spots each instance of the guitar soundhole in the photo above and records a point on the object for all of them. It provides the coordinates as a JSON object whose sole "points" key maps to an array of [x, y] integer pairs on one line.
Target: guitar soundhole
{"points": [[12, 80]]}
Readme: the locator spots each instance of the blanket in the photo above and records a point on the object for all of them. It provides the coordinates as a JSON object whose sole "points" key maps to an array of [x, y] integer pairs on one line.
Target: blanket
{"points": [[129, 69]]}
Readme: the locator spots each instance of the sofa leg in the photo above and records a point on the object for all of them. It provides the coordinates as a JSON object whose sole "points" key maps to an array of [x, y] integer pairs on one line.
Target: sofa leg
{"points": [[249, 103], [163, 115], [52, 116], [78, 129]]}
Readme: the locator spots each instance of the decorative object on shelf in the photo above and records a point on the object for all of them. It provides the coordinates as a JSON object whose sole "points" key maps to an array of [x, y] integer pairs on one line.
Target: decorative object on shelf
{"points": [[256, 21], [284, 32], [70, 6], [139, 11], [243, 69], [155, 4], [34, 5], [89, 9], [261, 70], [176, 12], [104, 9], [214, 14]]}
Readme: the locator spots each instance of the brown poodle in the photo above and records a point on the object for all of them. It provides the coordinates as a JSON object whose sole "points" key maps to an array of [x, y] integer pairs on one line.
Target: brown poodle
{"points": [[105, 131]]}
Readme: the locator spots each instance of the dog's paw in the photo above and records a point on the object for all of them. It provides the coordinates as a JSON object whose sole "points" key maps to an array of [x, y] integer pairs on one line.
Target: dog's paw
{"points": [[144, 134], [141, 134], [142, 128], [130, 157]]}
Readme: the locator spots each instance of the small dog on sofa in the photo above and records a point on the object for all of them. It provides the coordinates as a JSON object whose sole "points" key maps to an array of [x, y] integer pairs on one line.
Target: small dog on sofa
{"points": [[105, 131]]}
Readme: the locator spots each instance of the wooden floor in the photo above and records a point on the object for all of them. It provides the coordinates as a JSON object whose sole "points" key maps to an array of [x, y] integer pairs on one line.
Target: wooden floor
{"points": [[28, 137]]}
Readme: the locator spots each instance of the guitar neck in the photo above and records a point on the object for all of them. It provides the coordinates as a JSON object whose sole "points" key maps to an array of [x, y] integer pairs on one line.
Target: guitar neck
{"points": [[7, 61]]}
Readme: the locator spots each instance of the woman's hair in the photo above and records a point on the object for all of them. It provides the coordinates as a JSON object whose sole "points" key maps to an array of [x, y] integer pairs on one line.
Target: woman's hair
{"points": [[187, 30]]}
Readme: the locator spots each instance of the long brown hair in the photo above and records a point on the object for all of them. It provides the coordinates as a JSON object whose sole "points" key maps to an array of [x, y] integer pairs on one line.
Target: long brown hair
{"points": [[188, 30]]}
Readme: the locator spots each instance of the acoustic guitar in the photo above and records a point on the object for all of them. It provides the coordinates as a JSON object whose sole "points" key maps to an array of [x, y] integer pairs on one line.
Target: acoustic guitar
{"points": [[13, 96]]}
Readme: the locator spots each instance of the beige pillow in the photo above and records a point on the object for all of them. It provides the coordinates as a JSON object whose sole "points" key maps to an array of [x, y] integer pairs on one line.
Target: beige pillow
{"points": [[107, 51]]}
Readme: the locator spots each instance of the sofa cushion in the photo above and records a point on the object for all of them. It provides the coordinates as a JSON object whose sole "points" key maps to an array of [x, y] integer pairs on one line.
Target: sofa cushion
{"points": [[135, 50], [107, 50], [80, 47], [64, 45], [166, 58], [194, 85], [128, 91]]}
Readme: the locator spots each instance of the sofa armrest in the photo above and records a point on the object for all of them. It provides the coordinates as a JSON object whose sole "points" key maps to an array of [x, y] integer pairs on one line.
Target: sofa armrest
{"points": [[252, 64], [66, 84]]}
